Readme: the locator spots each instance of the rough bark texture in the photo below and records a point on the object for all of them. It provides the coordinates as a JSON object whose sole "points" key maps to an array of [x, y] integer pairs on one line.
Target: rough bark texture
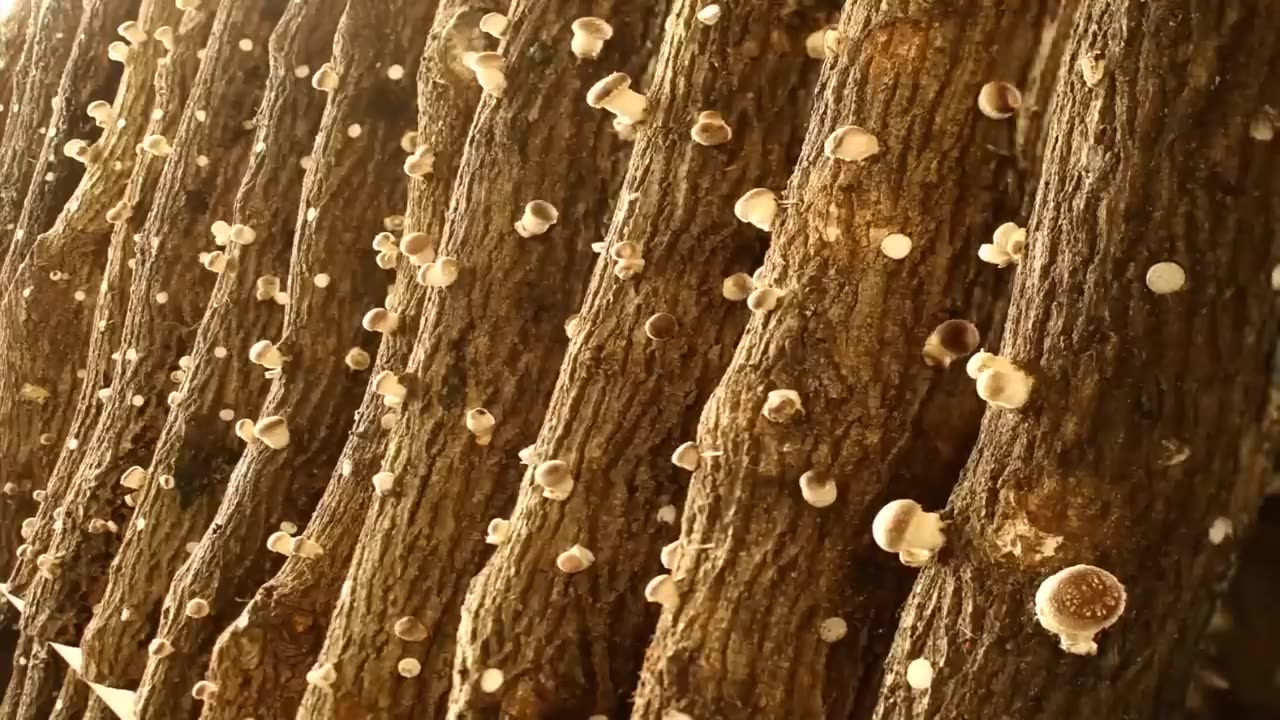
{"points": [[260, 661], [1145, 424], [356, 180], [167, 294], [195, 447], [52, 283], [36, 157], [50, 34], [13, 35], [624, 401], [847, 337], [493, 339]]}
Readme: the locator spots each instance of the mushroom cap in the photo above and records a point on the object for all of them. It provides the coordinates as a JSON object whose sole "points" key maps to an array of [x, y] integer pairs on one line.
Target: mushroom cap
{"points": [[711, 129], [889, 529], [1080, 599], [742, 208], [593, 27], [958, 337], [851, 142], [661, 326], [485, 61], [543, 211], [604, 89]]}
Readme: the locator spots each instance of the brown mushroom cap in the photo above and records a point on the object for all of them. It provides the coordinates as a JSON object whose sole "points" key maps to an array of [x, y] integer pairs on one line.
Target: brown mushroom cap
{"points": [[958, 337], [487, 61], [1081, 599], [661, 326], [889, 529], [593, 27], [542, 211], [604, 89]]}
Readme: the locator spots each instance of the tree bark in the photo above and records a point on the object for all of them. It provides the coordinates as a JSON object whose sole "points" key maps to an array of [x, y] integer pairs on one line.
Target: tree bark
{"points": [[847, 338], [259, 662], [167, 293], [356, 180], [1113, 461], [625, 401], [195, 446], [494, 339], [33, 191], [13, 33]]}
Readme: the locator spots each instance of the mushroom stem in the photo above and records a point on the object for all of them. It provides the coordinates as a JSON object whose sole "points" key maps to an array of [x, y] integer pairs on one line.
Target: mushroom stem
{"points": [[627, 104]]}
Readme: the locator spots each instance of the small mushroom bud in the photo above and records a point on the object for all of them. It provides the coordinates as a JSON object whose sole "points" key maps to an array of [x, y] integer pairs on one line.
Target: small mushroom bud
{"points": [[418, 247], [197, 608], [851, 143], [157, 145], [687, 456], [575, 560], [737, 287], [499, 531], [1166, 277], [267, 286], [758, 207], [833, 629], [662, 590], [323, 675], [711, 129], [1077, 603], [266, 354], [280, 542], [244, 430], [1007, 389], [490, 70], [494, 24], [671, 553], [904, 527], [410, 629], [1008, 244], [441, 273], [589, 36], [273, 431], [539, 216], [325, 79], [661, 326], [119, 213], [357, 358], [491, 680], [895, 246], [134, 478], [384, 482], [132, 32], [380, 320], [305, 547], [421, 163], [818, 45], [159, 648], [216, 261], [242, 235], [555, 478], [166, 37], [818, 490], [709, 14], [950, 340], [78, 150], [999, 100], [614, 93], [782, 405], [480, 422], [919, 674], [205, 691], [388, 385], [118, 52], [408, 667], [101, 112], [764, 299]]}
